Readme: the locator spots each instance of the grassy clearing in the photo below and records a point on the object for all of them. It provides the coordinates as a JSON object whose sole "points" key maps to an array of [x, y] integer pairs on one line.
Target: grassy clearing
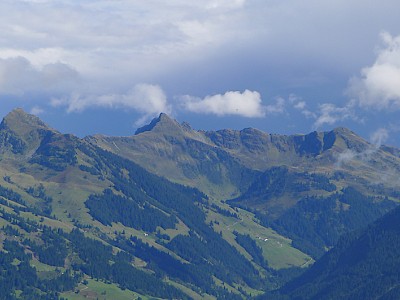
{"points": [[101, 291], [148, 238], [69, 189], [55, 224], [180, 228], [192, 294], [41, 267], [3, 222], [70, 203], [225, 285], [249, 290], [276, 249]]}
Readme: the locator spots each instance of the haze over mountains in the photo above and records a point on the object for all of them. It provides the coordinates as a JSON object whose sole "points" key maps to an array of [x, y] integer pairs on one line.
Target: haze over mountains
{"points": [[199, 214]]}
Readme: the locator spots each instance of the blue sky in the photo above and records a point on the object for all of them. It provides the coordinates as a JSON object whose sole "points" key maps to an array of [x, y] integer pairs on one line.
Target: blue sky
{"points": [[287, 66]]}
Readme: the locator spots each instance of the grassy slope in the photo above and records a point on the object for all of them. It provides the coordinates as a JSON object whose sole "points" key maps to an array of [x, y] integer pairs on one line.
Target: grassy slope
{"points": [[166, 150], [70, 188], [102, 291], [69, 191], [277, 249], [145, 147]]}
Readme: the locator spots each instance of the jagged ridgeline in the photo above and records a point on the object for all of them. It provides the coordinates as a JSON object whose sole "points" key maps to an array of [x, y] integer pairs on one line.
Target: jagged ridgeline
{"points": [[172, 212]]}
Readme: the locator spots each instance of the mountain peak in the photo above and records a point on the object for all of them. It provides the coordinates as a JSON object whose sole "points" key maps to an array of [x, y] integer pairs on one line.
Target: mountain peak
{"points": [[20, 122], [20, 131], [347, 139], [343, 131], [163, 122]]}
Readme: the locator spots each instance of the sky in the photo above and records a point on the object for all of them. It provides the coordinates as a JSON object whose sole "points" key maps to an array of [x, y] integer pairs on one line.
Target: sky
{"points": [[286, 67]]}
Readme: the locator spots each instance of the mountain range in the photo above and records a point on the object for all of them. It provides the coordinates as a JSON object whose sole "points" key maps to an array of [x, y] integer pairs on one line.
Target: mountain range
{"points": [[173, 212]]}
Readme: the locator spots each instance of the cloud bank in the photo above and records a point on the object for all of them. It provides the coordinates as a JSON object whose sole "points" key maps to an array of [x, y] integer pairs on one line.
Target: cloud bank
{"points": [[379, 85], [97, 53], [146, 99], [105, 38], [379, 136], [330, 114], [19, 77]]}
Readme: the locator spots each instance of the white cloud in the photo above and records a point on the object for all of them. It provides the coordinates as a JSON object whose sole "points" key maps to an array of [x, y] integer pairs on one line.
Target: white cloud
{"points": [[36, 110], [146, 99], [277, 108], [345, 157], [18, 77], [246, 104], [379, 136], [107, 45], [293, 98], [225, 4], [300, 105], [379, 84], [330, 114], [309, 114], [133, 37]]}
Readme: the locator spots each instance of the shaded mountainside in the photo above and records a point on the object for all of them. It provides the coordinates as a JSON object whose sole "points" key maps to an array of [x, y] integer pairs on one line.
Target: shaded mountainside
{"points": [[363, 265], [149, 215]]}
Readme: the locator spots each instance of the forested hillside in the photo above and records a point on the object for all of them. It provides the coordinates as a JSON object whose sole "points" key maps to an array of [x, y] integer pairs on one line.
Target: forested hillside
{"points": [[73, 213], [363, 265], [172, 212]]}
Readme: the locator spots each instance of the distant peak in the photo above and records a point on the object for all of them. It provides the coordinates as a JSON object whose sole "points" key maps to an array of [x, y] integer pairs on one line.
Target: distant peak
{"points": [[164, 117], [19, 115], [162, 122], [16, 113], [347, 134], [22, 132], [21, 122], [343, 130]]}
